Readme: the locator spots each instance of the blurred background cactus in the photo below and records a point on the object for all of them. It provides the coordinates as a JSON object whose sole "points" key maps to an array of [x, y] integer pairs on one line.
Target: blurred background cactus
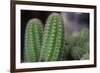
{"points": [[78, 45], [55, 36]]}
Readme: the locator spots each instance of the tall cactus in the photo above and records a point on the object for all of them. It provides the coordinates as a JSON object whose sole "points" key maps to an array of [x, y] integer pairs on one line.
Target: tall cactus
{"points": [[53, 38], [76, 53], [33, 36]]}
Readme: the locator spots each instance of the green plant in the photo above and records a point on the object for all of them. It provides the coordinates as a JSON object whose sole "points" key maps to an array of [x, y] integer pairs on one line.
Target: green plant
{"points": [[76, 53], [84, 36], [77, 45], [50, 44], [33, 36], [53, 38], [85, 56]]}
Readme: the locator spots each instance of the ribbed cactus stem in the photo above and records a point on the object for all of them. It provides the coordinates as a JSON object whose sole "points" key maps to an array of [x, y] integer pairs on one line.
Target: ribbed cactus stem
{"points": [[53, 37], [33, 36]]}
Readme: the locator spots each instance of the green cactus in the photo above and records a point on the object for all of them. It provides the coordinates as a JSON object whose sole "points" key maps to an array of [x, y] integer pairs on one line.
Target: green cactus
{"points": [[33, 36], [78, 45], [67, 52], [53, 38], [49, 44], [76, 53], [84, 35], [85, 56]]}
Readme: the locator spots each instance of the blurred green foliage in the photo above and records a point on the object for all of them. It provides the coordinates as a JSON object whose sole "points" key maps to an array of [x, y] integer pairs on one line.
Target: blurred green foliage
{"points": [[77, 46]]}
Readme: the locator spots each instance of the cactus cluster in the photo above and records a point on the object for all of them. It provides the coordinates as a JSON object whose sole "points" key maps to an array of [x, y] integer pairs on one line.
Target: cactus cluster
{"points": [[44, 45], [78, 45], [47, 43]]}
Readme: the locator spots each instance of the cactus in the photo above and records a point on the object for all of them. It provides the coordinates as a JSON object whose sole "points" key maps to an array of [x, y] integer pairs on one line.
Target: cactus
{"points": [[84, 35], [53, 38], [67, 52], [76, 53], [49, 44], [78, 44], [33, 36], [85, 56]]}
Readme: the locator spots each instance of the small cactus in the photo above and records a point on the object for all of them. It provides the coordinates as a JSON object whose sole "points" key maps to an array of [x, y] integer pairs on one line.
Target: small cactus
{"points": [[67, 52], [85, 56], [53, 38], [78, 44], [33, 36]]}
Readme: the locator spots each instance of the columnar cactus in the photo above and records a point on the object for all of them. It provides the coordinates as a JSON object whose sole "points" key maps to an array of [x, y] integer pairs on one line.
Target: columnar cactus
{"points": [[33, 36], [53, 38]]}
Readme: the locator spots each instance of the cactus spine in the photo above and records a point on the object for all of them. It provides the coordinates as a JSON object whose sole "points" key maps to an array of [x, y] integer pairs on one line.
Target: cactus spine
{"points": [[53, 38], [33, 36]]}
